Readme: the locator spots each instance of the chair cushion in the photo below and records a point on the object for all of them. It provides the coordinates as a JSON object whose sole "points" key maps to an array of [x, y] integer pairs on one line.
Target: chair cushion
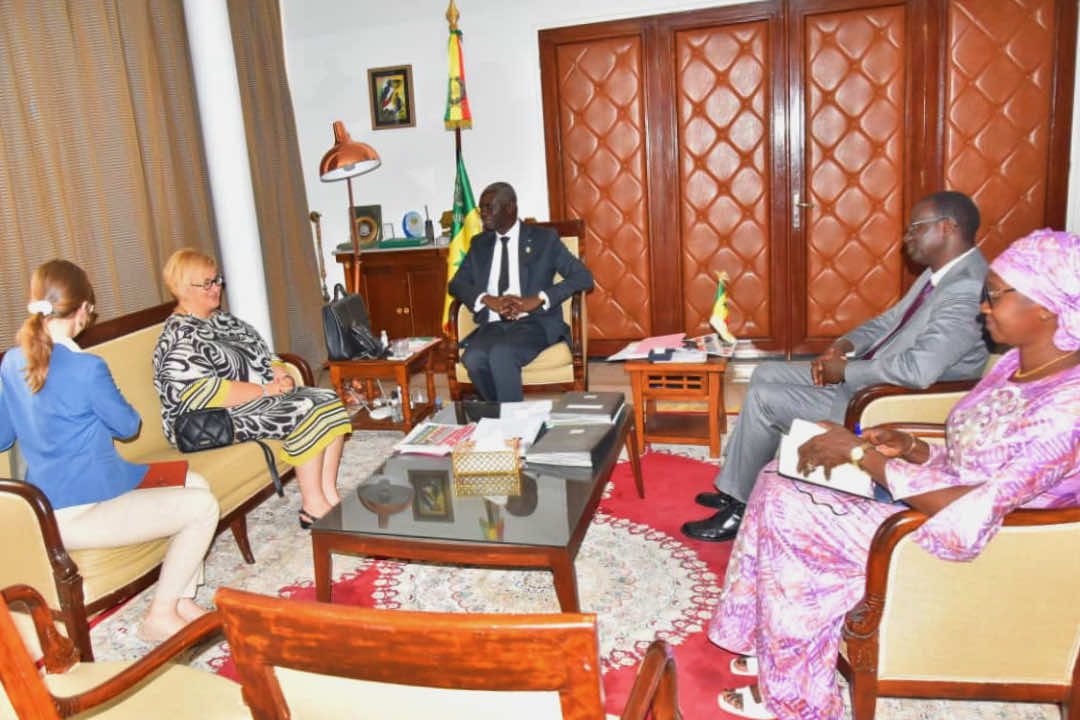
{"points": [[326, 697], [175, 691], [554, 364]]}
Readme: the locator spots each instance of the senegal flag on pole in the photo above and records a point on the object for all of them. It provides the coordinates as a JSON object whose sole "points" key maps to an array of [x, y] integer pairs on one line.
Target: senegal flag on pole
{"points": [[466, 221]]}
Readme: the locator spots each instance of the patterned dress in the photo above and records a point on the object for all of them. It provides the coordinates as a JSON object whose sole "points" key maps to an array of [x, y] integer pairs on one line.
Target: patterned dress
{"points": [[195, 360], [799, 560]]}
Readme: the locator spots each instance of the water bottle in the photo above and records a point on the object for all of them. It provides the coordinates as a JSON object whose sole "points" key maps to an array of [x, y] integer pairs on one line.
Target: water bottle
{"points": [[384, 340]]}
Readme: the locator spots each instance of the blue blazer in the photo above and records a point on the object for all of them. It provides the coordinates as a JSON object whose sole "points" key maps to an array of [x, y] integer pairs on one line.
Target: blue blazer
{"points": [[66, 429], [541, 255]]}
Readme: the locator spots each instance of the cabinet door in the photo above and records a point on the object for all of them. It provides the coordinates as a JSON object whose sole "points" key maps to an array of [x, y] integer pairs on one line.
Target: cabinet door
{"points": [[386, 290], [427, 291]]}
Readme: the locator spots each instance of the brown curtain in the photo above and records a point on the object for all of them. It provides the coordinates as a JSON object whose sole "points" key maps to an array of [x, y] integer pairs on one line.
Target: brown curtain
{"points": [[277, 175], [101, 157]]}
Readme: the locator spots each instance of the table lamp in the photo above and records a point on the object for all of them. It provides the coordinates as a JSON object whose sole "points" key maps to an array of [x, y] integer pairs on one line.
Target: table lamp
{"points": [[343, 161]]}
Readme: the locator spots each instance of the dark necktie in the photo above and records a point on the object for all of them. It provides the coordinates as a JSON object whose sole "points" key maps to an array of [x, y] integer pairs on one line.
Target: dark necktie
{"points": [[923, 294], [504, 268]]}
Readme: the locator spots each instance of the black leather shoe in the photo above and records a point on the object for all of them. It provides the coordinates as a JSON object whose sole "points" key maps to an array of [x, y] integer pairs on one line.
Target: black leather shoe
{"points": [[714, 500], [722, 526]]}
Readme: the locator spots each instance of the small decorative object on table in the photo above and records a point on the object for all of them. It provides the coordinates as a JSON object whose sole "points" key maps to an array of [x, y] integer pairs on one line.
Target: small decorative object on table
{"points": [[466, 461], [384, 499]]}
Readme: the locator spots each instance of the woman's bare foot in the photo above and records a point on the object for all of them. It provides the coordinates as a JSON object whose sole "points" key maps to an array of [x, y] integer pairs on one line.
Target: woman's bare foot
{"points": [[189, 610], [159, 626]]}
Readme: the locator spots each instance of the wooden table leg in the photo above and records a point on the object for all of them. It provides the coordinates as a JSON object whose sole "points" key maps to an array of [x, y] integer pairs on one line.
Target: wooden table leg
{"points": [[429, 371], [716, 411], [335, 380], [401, 376], [562, 568], [635, 457], [322, 567], [636, 380]]}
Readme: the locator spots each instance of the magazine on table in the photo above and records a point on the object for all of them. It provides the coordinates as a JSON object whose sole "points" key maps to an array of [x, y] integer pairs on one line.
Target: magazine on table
{"points": [[430, 438], [849, 478], [710, 344]]}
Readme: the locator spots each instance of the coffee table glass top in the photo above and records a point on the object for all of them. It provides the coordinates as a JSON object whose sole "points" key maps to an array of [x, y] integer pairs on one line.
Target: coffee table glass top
{"points": [[417, 496]]}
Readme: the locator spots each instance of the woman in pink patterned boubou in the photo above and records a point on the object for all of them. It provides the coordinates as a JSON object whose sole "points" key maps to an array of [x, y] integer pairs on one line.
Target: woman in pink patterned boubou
{"points": [[799, 560]]}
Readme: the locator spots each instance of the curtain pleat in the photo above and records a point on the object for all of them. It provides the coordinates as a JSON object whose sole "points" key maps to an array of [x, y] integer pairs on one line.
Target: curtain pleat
{"points": [[277, 175], [101, 156]]}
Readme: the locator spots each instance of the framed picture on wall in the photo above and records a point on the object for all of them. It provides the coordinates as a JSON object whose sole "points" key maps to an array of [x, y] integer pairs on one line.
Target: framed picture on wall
{"points": [[391, 90]]}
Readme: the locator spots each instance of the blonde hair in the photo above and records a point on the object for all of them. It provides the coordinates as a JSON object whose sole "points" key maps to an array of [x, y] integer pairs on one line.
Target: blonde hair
{"points": [[180, 264], [66, 287]]}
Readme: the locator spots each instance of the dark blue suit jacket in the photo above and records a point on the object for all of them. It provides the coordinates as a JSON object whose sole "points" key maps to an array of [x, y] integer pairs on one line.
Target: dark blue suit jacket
{"points": [[541, 254]]}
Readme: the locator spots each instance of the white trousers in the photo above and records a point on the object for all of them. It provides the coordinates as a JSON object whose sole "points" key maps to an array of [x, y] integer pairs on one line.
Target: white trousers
{"points": [[189, 515]]}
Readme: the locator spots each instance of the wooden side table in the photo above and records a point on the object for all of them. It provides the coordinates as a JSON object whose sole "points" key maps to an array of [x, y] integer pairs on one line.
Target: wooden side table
{"points": [[679, 382], [397, 370]]}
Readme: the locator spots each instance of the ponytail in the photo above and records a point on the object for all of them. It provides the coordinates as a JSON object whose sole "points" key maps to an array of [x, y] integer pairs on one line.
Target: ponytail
{"points": [[36, 346], [57, 290]]}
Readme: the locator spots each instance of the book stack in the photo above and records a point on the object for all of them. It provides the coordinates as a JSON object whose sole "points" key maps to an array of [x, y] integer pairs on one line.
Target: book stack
{"points": [[586, 408], [570, 445], [429, 438]]}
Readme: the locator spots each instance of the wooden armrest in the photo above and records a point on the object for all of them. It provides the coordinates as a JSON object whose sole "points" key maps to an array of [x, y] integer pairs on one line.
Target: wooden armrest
{"points": [[59, 652], [302, 365], [194, 633], [655, 691], [63, 567], [868, 394], [576, 330], [452, 335]]}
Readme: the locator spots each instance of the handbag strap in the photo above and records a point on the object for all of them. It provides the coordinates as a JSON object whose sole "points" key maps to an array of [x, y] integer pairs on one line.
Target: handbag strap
{"points": [[272, 466]]}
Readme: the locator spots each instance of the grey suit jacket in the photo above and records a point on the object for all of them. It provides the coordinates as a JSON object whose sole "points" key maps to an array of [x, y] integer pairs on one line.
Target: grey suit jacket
{"points": [[541, 256], [943, 340]]}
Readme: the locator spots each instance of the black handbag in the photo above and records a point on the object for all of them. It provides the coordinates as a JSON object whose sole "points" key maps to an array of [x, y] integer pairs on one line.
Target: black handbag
{"points": [[203, 430], [347, 329]]}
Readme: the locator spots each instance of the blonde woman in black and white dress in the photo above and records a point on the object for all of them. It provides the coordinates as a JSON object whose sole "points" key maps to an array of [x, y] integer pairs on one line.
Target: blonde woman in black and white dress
{"points": [[206, 357]]}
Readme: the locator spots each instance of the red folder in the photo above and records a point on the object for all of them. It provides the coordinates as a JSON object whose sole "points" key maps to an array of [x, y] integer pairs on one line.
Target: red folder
{"points": [[172, 473]]}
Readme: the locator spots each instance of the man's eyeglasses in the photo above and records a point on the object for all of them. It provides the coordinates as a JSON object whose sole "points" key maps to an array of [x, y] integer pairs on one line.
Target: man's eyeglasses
{"points": [[916, 225], [990, 297], [218, 280]]}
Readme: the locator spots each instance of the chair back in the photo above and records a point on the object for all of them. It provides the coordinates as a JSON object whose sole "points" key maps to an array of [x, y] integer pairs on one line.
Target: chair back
{"points": [[23, 509], [25, 690], [308, 658]]}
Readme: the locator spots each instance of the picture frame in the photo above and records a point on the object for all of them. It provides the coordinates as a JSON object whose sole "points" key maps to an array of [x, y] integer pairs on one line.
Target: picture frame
{"points": [[432, 495], [369, 225], [391, 97]]}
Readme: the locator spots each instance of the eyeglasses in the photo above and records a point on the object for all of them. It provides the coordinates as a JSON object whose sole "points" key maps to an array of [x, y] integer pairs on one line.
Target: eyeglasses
{"points": [[990, 297], [218, 280], [916, 225]]}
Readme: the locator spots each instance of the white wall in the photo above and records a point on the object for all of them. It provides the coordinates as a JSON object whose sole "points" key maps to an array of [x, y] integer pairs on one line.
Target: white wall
{"points": [[330, 44]]}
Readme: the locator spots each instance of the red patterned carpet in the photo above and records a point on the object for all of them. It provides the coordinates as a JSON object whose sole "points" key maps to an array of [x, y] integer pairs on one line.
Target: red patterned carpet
{"points": [[635, 570]]}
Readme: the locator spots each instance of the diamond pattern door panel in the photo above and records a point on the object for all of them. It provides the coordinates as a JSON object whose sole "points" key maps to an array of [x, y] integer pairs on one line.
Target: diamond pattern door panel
{"points": [[854, 120], [722, 96], [997, 127], [601, 130]]}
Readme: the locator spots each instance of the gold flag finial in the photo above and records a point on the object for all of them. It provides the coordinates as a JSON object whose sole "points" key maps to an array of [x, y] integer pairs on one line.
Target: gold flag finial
{"points": [[452, 15]]}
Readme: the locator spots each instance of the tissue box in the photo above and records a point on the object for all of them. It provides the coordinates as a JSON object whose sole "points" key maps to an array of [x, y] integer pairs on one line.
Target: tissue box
{"points": [[466, 461]]}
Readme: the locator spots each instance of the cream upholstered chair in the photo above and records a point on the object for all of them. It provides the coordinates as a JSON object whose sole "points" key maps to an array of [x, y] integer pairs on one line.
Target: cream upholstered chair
{"points": [[150, 687], [1005, 626], [558, 367], [315, 660]]}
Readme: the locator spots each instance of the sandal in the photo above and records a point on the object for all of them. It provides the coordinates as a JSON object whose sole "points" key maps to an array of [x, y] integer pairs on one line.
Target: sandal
{"points": [[306, 519], [749, 706], [749, 666]]}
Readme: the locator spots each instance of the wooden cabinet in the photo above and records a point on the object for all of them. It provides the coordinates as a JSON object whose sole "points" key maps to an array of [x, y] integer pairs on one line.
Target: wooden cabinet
{"points": [[404, 290]]}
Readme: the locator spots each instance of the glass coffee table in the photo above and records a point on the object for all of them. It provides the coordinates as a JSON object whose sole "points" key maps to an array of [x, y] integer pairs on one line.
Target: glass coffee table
{"points": [[413, 508]]}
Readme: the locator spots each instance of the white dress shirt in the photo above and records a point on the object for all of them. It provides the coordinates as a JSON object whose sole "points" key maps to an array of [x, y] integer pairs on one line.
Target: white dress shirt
{"points": [[513, 247]]}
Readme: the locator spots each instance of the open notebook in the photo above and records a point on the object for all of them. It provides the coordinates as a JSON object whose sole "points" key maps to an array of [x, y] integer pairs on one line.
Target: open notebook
{"points": [[849, 477]]}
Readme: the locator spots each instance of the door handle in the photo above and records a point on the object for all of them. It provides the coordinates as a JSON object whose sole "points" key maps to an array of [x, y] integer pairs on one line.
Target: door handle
{"points": [[796, 200], [796, 217]]}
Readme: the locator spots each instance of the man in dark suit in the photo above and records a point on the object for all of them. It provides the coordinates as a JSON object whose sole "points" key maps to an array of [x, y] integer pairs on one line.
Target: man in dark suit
{"points": [[933, 333], [508, 279]]}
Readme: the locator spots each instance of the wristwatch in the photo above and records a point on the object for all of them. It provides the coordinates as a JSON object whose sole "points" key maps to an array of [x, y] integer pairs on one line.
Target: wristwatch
{"points": [[858, 453]]}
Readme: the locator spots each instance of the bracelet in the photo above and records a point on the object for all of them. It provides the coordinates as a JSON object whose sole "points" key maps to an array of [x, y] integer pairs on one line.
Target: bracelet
{"points": [[263, 388]]}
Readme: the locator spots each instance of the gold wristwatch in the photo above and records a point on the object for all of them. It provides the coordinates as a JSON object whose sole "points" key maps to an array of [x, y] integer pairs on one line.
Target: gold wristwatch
{"points": [[858, 453]]}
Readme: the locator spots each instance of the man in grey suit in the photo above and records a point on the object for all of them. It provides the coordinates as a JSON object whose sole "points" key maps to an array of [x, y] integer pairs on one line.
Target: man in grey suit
{"points": [[933, 333], [508, 279]]}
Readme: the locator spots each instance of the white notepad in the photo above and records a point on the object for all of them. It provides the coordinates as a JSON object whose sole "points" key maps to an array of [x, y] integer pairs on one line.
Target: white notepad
{"points": [[848, 477]]}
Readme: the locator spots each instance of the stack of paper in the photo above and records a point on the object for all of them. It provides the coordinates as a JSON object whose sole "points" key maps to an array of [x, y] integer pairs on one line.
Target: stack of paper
{"points": [[430, 438]]}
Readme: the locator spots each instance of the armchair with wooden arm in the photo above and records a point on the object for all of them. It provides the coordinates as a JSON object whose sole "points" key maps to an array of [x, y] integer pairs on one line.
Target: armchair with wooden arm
{"points": [[152, 686], [307, 659], [558, 367], [1005, 626]]}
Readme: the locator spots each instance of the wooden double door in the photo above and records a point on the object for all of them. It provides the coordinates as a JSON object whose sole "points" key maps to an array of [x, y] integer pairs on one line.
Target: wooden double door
{"points": [[784, 144]]}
